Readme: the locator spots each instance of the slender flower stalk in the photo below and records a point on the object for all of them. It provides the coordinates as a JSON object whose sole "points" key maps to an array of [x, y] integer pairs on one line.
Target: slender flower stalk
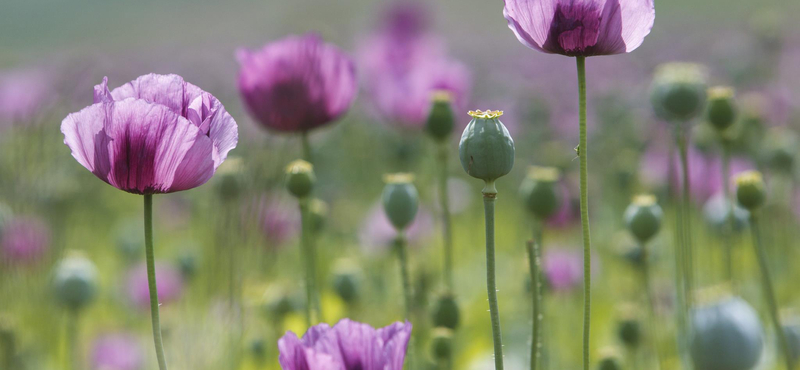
{"points": [[72, 340], [727, 229], [151, 281], [489, 198], [534, 262], [647, 290], [685, 215], [587, 244], [307, 156], [444, 203], [300, 181], [401, 248]]}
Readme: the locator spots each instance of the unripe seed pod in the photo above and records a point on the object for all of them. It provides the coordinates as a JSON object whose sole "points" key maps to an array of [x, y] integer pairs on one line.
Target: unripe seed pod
{"points": [[442, 343], [445, 312], [609, 360], [75, 282], [318, 210], [229, 185], [678, 93], [779, 149], [751, 192], [300, 178], [347, 281], [540, 192], [629, 328], [400, 200], [643, 217], [721, 111], [727, 335], [441, 119], [278, 302], [486, 149]]}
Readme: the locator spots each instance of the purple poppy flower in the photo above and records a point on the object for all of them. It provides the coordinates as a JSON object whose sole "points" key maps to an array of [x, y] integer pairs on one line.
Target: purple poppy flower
{"points": [[117, 352], [580, 28], [156, 134], [297, 83], [563, 268], [169, 284], [377, 233], [404, 66], [349, 345], [24, 240], [23, 93], [279, 220]]}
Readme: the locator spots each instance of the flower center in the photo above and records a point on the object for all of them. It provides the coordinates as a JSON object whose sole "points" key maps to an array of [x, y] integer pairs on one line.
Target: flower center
{"points": [[575, 27]]}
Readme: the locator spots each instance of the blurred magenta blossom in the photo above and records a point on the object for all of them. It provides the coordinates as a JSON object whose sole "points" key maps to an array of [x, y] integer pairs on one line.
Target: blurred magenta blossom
{"points": [[348, 345], [120, 351], [23, 93], [377, 233], [155, 134], [563, 268], [296, 84], [566, 215], [403, 65], [580, 28], [278, 218], [169, 283], [24, 240]]}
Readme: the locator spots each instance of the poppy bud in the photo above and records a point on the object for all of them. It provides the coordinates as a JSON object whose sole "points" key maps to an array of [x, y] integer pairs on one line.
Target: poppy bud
{"points": [[486, 149], [400, 199], [721, 111], [445, 312], [540, 192], [609, 360], [75, 281], [441, 119], [779, 149], [300, 178], [727, 334], [750, 190], [318, 210], [629, 328], [678, 92], [643, 217], [442, 343], [347, 281], [228, 183]]}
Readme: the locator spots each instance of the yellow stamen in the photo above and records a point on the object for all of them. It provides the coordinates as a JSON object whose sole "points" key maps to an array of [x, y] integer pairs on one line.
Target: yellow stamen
{"points": [[644, 200], [485, 114], [398, 178]]}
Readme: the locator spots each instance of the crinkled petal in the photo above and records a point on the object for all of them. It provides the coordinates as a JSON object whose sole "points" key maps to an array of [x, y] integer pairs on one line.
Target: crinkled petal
{"points": [[638, 17], [101, 93], [166, 90], [395, 339], [530, 20]]}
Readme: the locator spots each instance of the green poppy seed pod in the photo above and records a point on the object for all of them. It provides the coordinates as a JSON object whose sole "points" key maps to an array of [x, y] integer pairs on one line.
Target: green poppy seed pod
{"points": [[643, 217], [779, 149], [609, 360], [751, 192], [187, 265], [792, 333], [721, 110], [727, 335], [486, 149], [75, 282], [347, 281], [318, 210], [300, 178], [629, 328], [258, 348], [678, 93], [229, 186], [442, 343], [400, 199], [445, 312], [441, 119], [540, 192], [278, 302]]}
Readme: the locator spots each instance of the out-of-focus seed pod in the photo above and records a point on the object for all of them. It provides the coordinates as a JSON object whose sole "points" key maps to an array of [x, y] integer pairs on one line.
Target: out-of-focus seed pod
{"points": [[278, 302], [130, 239], [486, 149], [445, 312], [300, 178], [442, 343], [727, 335], [629, 328], [187, 264], [717, 211], [643, 217], [540, 192], [400, 199], [347, 279], [721, 111], [318, 210], [678, 93], [441, 119], [258, 348], [751, 192], [75, 281], [609, 360], [228, 183], [779, 149]]}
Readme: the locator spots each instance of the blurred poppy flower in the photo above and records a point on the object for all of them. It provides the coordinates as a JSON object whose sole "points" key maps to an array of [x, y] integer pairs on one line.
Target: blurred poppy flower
{"points": [[155, 134], [296, 84], [23, 93], [169, 284], [117, 352], [23, 240], [347, 345], [580, 28], [563, 268]]}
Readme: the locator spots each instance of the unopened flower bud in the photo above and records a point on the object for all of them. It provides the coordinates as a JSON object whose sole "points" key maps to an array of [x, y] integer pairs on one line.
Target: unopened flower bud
{"points": [[442, 343], [629, 328], [609, 360], [643, 217], [75, 282], [721, 111], [751, 192], [486, 149], [300, 178], [441, 119], [679, 91], [347, 281], [445, 312], [727, 334], [400, 200], [540, 192]]}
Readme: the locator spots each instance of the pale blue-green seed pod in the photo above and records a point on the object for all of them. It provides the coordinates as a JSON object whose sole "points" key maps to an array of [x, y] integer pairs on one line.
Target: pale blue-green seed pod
{"points": [[643, 217], [678, 93], [400, 200], [75, 282], [486, 149], [727, 335], [300, 178], [540, 192]]}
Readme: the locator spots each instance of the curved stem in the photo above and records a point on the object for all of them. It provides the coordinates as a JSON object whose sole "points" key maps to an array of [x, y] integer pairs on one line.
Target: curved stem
{"points": [[587, 244], [309, 258], [447, 233], [151, 280], [306, 147], [768, 288], [491, 284]]}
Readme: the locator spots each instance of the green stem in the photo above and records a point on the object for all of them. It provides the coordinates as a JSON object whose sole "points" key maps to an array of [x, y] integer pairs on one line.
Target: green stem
{"points": [[682, 275], [727, 229], [72, 339], [491, 285], [536, 291], [583, 150], [447, 232], [309, 258], [768, 288], [651, 305], [402, 258], [688, 253], [306, 147], [151, 280]]}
